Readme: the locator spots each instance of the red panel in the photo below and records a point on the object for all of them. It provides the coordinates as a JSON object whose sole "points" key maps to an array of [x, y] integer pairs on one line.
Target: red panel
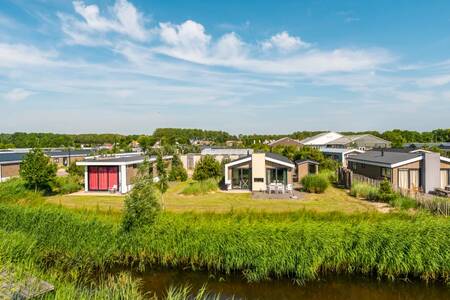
{"points": [[103, 178], [112, 177], [93, 178]]}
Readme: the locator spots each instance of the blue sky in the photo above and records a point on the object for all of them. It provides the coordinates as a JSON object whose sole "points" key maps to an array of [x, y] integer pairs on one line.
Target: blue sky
{"points": [[240, 66]]}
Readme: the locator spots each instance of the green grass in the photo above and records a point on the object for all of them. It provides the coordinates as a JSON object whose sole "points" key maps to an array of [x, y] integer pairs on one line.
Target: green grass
{"points": [[302, 245], [200, 187], [173, 200], [14, 190]]}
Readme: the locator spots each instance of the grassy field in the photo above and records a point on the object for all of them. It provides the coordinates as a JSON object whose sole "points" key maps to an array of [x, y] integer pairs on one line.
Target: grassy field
{"points": [[332, 200]]}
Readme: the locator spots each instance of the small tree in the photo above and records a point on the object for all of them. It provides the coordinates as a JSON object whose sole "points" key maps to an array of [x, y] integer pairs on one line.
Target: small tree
{"points": [[141, 205], [177, 173], [207, 167], [75, 170], [37, 170], [162, 174]]}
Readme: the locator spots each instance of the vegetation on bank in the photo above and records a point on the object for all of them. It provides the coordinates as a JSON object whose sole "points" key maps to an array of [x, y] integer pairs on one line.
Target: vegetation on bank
{"points": [[201, 187], [300, 245], [316, 183]]}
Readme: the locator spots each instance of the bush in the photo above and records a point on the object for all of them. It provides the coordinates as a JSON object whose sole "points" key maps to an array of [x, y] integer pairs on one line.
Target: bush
{"points": [[67, 184], [207, 167], [330, 174], [386, 187], [37, 170], [15, 189], [177, 173], [315, 183], [75, 170], [201, 187], [403, 202], [364, 190], [141, 205]]}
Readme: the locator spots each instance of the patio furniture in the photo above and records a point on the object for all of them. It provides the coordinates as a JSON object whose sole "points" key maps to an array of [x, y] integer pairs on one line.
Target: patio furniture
{"points": [[273, 188], [289, 188], [113, 189], [280, 188]]}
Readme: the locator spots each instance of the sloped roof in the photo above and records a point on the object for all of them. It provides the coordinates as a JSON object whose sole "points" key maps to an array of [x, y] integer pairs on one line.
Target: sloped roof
{"points": [[286, 138], [321, 138], [384, 157], [304, 161], [278, 157]]}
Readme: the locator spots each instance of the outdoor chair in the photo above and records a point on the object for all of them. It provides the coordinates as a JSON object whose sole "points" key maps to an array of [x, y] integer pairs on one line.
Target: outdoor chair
{"points": [[113, 189]]}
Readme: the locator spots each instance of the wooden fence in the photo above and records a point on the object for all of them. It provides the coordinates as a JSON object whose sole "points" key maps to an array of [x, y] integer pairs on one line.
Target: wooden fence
{"points": [[346, 178]]}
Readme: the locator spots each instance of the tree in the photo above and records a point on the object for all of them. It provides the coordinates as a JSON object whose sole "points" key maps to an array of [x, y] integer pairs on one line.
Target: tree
{"points": [[37, 170], [207, 167], [177, 173], [75, 170], [162, 174], [141, 205]]}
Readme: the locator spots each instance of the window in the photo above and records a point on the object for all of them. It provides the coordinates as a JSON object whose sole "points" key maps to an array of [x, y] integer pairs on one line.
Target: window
{"points": [[276, 175], [445, 177], [258, 179], [403, 179], [386, 173], [408, 179]]}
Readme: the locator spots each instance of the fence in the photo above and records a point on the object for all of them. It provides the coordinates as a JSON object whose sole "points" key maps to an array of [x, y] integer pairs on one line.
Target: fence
{"points": [[436, 205], [346, 177]]}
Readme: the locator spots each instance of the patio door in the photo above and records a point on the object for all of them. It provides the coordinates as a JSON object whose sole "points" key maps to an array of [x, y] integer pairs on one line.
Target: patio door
{"points": [[403, 179], [278, 175], [241, 178]]}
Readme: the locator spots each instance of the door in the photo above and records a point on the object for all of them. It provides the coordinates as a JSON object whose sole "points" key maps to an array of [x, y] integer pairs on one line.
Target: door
{"points": [[444, 178], [93, 178], [113, 178]]}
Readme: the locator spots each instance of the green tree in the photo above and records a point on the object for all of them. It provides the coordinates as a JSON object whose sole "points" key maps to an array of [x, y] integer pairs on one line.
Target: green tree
{"points": [[37, 170], [177, 172], [207, 167], [162, 174], [75, 170], [141, 205]]}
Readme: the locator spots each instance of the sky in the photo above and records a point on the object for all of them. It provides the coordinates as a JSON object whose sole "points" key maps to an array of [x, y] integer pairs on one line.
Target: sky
{"points": [[130, 66]]}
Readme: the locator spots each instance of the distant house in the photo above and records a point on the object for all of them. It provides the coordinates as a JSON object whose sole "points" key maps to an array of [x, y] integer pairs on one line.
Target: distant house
{"points": [[256, 171], [321, 140], [419, 171], [305, 167], [190, 160], [233, 143], [114, 172], [359, 141], [340, 155], [10, 164], [286, 141], [64, 158]]}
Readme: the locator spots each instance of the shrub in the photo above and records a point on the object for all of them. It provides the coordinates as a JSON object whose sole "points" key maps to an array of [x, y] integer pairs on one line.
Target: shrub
{"points": [[75, 170], [67, 184], [141, 205], [364, 190], [315, 183], [177, 173], [330, 174], [162, 183], [403, 202], [37, 170], [15, 189], [201, 187], [385, 187], [207, 167]]}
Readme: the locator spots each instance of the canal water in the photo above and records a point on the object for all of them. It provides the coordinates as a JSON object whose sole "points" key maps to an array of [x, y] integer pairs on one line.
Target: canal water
{"points": [[332, 287]]}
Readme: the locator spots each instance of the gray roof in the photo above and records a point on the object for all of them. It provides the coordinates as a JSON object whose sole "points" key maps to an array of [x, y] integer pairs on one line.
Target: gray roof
{"points": [[112, 159], [9, 157], [338, 150], [385, 157], [279, 157], [56, 153], [305, 140], [303, 161], [226, 151]]}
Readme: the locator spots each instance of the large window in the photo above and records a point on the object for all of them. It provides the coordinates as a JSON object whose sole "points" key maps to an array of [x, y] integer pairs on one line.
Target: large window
{"points": [[240, 178], [445, 178], [408, 179], [276, 175]]}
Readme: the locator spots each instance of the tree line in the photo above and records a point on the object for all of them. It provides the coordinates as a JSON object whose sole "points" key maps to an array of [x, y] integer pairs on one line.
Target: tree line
{"points": [[185, 136]]}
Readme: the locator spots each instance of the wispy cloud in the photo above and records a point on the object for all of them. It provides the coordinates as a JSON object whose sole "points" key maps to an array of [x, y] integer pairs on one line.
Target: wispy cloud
{"points": [[17, 95]]}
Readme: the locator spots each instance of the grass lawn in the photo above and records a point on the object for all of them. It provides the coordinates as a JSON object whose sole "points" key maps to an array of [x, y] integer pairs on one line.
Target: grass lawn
{"points": [[332, 200]]}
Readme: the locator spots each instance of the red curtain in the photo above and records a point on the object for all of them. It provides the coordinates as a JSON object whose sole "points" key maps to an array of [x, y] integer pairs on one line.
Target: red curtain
{"points": [[93, 178], [112, 178], [103, 178]]}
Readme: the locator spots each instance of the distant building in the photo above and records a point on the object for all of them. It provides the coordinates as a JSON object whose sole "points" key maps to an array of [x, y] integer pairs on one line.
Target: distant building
{"points": [[321, 140], [340, 155], [359, 141], [286, 141]]}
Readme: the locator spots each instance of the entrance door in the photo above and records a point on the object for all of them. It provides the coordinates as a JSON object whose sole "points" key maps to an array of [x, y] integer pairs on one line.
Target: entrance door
{"points": [[241, 178], [103, 178]]}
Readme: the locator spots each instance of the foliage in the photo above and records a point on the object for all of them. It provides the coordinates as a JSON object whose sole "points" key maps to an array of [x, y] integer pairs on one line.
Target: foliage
{"points": [[75, 170], [15, 189], [177, 172], [386, 187], [364, 190], [37, 170], [67, 184], [207, 167], [172, 136], [201, 187], [302, 245], [141, 206], [403, 202], [315, 183], [329, 174], [162, 174]]}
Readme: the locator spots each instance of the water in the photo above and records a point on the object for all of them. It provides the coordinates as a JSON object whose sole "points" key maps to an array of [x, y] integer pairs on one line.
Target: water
{"points": [[333, 287]]}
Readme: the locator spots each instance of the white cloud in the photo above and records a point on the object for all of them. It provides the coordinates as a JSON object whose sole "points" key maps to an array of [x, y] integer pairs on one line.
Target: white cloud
{"points": [[18, 54], [17, 95], [186, 41], [124, 19], [285, 43], [230, 46]]}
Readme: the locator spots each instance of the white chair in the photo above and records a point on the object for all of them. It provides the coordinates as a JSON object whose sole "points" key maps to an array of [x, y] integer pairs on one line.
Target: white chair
{"points": [[273, 188], [113, 189], [289, 188]]}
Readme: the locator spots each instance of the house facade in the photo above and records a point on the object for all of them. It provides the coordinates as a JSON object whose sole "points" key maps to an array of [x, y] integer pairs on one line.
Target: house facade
{"points": [[114, 172], [10, 164], [256, 171], [419, 171], [340, 155]]}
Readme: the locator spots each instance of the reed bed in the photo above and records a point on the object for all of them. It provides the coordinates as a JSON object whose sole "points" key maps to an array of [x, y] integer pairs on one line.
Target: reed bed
{"points": [[300, 245]]}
